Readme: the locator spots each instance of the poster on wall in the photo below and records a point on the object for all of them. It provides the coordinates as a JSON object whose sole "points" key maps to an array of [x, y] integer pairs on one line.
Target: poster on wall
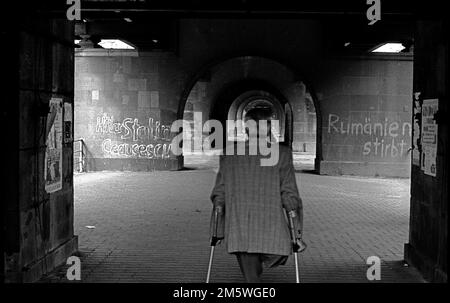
{"points": [[53, 151], [429, 160], [417, 117], [429, 134]]}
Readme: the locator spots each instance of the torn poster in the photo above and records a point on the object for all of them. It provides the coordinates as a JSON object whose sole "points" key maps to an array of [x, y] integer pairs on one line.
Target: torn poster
{"points": [[417, 118], [429, 134], [53, 151], [429, 160]]}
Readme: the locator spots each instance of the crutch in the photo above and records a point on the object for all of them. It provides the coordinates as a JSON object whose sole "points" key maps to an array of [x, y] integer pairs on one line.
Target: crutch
{"points": [[295, 247], [214, 239]]}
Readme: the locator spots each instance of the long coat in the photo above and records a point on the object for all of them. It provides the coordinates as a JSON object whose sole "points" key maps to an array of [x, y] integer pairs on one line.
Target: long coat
{"points": [[254, 197]]}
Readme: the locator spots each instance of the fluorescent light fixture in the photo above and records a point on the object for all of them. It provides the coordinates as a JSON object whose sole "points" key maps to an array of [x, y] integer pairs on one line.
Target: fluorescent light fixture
{"points": [[128, 19], [114, 44], [389, 48], [155, 41]]}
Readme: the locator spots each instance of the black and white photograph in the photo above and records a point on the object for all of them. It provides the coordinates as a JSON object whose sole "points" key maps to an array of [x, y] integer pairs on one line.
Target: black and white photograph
{"points": [[192, 143]]}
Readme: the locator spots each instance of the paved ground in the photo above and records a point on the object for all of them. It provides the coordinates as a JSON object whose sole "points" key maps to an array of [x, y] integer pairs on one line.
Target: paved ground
{"points": [[153, 227]]}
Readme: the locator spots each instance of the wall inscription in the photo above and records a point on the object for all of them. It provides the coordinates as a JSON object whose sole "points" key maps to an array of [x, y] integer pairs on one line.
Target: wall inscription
{"points": [[384, 139], [129, 138]]}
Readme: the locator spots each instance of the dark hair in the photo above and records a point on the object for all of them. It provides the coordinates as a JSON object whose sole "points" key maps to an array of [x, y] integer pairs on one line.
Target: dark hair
{"points": [[259, 113]]}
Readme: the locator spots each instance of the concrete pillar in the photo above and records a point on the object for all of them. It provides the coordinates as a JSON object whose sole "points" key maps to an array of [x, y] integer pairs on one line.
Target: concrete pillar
{"points": [[39, 227], [427, 246]]}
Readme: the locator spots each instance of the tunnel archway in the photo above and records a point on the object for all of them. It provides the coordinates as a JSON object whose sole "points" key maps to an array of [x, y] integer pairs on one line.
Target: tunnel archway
{"points": [[234, 99], [214, 88], [258, 99]]}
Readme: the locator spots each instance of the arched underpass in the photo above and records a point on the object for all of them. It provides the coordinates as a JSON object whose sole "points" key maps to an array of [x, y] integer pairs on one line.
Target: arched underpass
{"points": [[154, 226], [236, 84], [137, 215]]}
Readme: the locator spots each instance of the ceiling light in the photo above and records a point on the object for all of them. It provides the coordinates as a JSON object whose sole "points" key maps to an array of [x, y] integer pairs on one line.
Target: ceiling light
{"points": [[114, 44], [128, 19], [346, 44], [388, 48], [155, 41], [77, 41]]}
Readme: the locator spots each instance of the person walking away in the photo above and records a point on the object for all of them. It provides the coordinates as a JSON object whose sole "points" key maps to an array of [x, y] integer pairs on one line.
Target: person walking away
{"points": [[254, 199]]}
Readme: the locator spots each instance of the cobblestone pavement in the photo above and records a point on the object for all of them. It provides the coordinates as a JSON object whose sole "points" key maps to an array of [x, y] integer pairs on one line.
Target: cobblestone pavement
{"points": [[153, 227]]}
